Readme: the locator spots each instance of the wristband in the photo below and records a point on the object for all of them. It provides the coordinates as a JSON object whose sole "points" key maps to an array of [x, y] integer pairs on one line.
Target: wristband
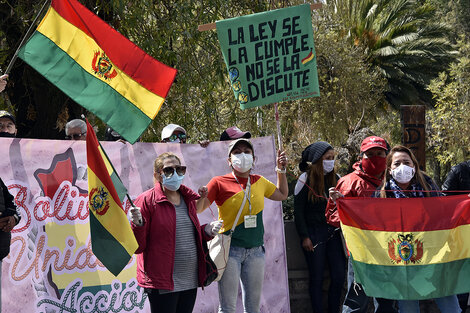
{"points": [[277, 169]]}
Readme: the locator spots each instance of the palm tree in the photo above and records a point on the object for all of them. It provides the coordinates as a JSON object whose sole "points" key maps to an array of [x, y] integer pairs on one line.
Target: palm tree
{"points": [[402, 39]]}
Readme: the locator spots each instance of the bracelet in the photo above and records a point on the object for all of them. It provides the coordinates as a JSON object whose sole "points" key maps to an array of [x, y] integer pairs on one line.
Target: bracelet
{"points": [[277, 169]]}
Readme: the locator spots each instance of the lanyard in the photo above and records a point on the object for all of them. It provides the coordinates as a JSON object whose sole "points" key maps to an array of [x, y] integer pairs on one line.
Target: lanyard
{"points": [[248, 187]]}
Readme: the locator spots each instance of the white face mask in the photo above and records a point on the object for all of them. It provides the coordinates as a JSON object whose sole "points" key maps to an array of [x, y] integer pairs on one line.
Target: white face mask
{"points": [[328, 166], [403, 174], [242, 162]]}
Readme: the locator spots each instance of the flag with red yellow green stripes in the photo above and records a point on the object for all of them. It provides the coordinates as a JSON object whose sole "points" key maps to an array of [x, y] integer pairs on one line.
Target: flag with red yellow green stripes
{"points": [[410, 248], [112, 239], [98, 68]]}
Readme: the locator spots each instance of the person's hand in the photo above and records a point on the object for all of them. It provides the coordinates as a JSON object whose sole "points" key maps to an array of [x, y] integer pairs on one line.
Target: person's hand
{"points": [[204, 143], [307, 245], [281, 160], [135, 216], [334, 194], [3, 82], [7, 223], [213, 228], [203, 191]]}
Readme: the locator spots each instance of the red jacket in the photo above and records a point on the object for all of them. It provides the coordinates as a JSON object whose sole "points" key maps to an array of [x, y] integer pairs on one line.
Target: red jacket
{"points": [[156, 238], [355, 184]]}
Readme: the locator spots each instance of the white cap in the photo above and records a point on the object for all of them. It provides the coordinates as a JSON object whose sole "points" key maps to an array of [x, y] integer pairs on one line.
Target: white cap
{"points": [[168, 130]]}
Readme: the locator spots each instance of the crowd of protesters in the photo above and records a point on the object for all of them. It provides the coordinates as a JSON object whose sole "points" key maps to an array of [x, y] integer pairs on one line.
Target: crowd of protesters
{"points": [[167, 228]]}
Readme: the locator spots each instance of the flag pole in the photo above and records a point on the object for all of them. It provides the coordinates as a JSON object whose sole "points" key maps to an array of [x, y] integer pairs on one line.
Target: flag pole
{"points": [[25, 37], [278, 125], [115, 172]]}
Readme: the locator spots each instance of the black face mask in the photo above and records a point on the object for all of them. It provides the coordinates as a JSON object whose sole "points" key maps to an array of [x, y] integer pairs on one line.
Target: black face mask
{"points": [[7, 135]]}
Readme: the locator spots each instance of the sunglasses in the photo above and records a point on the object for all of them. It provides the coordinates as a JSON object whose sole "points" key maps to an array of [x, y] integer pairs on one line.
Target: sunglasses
{"points": [[169, 170], [75, 136], [182, 137]]}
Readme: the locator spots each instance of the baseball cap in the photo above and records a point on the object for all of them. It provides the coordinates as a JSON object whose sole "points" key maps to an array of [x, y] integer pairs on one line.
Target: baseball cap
{"points": [[235, 142], [7, 115], [234, 133], [168, 130], [373, 142]]}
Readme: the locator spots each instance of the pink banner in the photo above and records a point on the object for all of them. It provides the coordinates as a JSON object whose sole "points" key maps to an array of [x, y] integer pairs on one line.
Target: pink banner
{"points": [[51, 267]]}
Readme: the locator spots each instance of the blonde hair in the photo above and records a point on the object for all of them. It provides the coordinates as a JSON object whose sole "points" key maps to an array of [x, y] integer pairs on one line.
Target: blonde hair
{"points": [[158, 163], [419, 175]]}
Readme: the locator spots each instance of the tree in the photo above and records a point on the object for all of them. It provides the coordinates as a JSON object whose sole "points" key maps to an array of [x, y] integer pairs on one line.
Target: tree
{"points": [[201, 99], [167, 30], [402, 39], [450, 121]]}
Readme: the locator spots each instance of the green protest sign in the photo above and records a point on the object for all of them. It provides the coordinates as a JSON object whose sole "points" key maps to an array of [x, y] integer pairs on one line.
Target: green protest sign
{"points": [[270, 56]]}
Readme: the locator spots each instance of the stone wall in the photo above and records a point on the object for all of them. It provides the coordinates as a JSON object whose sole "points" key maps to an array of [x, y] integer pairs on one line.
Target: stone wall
{"points": [[297, 271]]}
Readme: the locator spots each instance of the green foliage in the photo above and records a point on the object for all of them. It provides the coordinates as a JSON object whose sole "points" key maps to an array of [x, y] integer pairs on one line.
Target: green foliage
{"points": [[200, 99], [351, 93], [450, 121], [402, 39], [454, 13], [368, 51]]}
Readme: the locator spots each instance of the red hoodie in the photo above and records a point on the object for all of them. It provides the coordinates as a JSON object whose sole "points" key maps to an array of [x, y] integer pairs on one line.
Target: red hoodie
{"points": [[355, 184], [156, 238]]}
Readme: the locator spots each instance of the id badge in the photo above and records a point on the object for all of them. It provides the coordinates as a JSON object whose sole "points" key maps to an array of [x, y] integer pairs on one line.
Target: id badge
{"points": [[250, 221]]}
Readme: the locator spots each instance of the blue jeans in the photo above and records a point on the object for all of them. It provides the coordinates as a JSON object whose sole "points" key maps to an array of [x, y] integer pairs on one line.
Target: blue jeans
{"points": [[448, 304], [247, 266], [329, 249], [356, 300]]}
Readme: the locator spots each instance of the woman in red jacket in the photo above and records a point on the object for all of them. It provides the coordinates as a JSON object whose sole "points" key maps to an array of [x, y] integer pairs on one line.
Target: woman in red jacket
{"points": [[170, 260]]}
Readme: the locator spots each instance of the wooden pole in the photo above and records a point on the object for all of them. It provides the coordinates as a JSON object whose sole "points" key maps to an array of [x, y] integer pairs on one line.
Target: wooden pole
{"points": [[278, 125], [413, 121], [210, 26]]}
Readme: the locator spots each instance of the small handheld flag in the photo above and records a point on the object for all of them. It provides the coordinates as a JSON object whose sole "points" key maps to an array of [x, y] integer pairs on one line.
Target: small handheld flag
{"points": [[112, 239]]}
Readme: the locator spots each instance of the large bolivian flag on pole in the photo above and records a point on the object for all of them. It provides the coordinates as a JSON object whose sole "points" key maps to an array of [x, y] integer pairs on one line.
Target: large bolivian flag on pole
{"points": [[98, 67], [409, 249], [112, 239]]}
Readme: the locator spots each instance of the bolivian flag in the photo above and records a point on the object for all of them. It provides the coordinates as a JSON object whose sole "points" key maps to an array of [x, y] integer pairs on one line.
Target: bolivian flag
{"points": [[409, 249], [112, 239], [98, 67]]}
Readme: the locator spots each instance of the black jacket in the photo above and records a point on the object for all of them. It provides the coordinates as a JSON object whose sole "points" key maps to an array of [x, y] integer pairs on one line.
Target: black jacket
{"points": [[307, 213], [7, 208], [458, 178]]}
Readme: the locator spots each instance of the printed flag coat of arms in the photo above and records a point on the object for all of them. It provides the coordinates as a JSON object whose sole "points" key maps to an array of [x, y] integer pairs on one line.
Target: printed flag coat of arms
{"points": [[112, 239], [409, 248], [98, 67]]}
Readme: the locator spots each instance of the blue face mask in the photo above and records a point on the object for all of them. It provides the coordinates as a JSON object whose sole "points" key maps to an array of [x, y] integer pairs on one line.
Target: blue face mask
{"points": [[173, 183]]}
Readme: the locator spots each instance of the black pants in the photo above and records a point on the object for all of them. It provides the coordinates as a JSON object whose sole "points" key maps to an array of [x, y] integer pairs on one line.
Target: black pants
{"points": [[173, 302], [463, 299]]}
